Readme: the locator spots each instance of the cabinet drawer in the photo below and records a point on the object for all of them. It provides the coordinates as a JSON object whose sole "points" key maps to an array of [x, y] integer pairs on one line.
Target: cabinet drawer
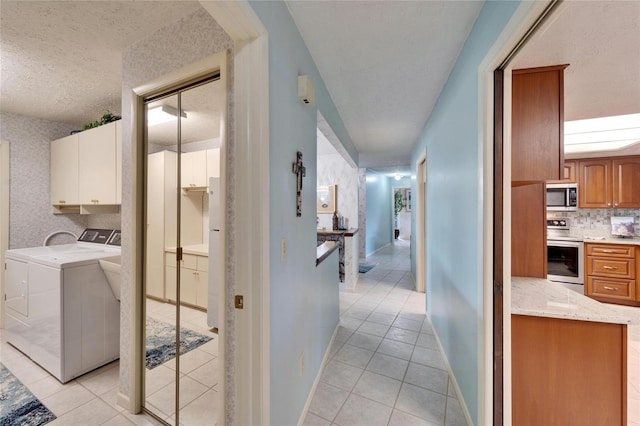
{"points": [[189, 261], [619, 268], [611, 288], [203, 263], [610, 250]]}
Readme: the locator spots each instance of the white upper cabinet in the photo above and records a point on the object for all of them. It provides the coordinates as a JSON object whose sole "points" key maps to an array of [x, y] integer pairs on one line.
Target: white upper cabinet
{"points": [[213, 163], [64, 171], [97, 165], [118, 162], [194, 169]]}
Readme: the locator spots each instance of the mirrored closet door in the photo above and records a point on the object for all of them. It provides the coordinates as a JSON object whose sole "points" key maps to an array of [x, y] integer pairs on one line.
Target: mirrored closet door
{"points": [[184, 131]]}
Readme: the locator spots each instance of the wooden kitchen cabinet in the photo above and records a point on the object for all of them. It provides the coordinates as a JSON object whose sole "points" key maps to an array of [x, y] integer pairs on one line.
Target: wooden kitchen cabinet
{"points": [[609, 182], [537, 141], [570, 169], [64, 171], [97, 165], [612, 272], [529, 230], [568, 372]]}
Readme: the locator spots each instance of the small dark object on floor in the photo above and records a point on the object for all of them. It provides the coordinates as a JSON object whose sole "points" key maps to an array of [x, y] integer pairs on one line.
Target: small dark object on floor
{"points": [[363, 268]]}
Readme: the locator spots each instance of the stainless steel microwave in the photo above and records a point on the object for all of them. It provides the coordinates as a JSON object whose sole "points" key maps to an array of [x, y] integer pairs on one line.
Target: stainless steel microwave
{"points": [[562, 197]]}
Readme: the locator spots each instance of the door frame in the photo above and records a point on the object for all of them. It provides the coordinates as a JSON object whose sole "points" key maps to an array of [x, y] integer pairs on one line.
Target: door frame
{"points": [[494, 306], [5, 167], [421, 223], [244, 349]]}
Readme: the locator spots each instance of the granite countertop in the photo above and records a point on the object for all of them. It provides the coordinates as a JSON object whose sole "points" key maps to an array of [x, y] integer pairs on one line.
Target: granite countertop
{"points": [[346, 232], [612, 240], [197, 249], [542, 298]]}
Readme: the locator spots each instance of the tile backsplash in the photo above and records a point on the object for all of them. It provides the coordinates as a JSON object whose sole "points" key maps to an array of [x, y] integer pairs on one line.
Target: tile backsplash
{"points": [[596, 222]]}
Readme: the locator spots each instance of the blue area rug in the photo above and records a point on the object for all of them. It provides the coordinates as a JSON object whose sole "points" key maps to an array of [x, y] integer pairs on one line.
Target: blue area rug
{"points": [[161, 342], [18, 406], [363, 268]]}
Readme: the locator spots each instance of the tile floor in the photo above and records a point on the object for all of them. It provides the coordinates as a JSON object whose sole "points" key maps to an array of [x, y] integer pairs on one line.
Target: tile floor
{"points": [[91, 398], [385, 367]]}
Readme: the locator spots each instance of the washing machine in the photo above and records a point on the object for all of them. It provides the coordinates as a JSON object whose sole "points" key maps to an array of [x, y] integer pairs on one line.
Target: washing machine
{"points": [[60, 310]]}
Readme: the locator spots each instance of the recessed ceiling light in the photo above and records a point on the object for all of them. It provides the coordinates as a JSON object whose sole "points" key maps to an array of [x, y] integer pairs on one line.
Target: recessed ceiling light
{"points": [[162, 114], [602, 134]]}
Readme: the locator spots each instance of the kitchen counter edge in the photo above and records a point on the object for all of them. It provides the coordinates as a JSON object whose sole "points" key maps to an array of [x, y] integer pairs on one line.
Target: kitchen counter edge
{"points": [[543, 298]]}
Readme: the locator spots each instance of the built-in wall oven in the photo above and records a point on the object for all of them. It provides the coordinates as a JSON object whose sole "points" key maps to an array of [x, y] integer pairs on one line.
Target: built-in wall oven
{"points": [[565, 260]]}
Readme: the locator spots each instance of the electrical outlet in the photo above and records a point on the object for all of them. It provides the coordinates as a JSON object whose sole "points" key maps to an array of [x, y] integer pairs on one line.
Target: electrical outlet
{"points": [[302, 364], [283, 249]]}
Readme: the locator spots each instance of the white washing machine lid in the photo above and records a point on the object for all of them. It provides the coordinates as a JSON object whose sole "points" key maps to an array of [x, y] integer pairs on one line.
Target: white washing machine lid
{"points": [[65, 255]]}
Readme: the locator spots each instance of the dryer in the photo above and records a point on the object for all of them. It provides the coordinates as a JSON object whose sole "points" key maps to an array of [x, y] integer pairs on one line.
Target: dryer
{"points": [[60, 310]]}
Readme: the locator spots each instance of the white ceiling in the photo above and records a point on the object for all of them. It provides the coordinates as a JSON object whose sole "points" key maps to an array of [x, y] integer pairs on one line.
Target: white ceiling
{"points": [[384, 64], [600, 41], [61, 60]]}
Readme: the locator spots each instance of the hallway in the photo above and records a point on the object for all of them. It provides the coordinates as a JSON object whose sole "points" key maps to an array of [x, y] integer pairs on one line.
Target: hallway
{"points": [[385, 367]]}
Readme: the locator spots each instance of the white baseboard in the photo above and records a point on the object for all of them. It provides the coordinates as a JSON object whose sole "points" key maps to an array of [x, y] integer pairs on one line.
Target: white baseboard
{"points": [[378, 249], [123, 401], [305, 410], [452, 377]]}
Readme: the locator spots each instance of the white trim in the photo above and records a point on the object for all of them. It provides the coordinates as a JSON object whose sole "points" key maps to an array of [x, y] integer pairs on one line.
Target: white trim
{"points": [[123, 401], [522, 19], [378, 249], [251, 116], [452, 377], [323, 364], [5, 166], [421, 224]]}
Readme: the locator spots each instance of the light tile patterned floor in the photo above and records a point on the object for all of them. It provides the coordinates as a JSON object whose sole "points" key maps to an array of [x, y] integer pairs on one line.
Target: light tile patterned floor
{"points": [[385, 367], [91, 398]]}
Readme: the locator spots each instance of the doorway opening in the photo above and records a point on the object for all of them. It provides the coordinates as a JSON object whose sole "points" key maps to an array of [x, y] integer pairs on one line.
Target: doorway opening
{"points": [[421, 220], [184, 152]]}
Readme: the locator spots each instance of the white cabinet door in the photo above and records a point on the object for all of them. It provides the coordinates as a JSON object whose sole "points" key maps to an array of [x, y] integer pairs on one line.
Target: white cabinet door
{"points": [[213, 163], [118, 163], [194, 169], [64, 171], [97, 165]]}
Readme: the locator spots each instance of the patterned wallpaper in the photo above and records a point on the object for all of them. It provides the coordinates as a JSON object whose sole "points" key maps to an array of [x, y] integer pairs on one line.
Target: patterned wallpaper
{"points": [[596, 222], [334, 170], [190, 39], [30, 215], [362, 212]]}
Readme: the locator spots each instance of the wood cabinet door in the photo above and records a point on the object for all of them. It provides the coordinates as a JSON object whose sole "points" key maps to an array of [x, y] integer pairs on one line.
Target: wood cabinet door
{"points": [[529, 231], [626, 182], [594, 187], [536, 128], [567, 372]]}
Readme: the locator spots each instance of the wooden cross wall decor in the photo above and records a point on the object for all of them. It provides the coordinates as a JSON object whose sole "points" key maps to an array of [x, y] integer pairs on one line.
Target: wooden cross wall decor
{"points": [[300, 171]]}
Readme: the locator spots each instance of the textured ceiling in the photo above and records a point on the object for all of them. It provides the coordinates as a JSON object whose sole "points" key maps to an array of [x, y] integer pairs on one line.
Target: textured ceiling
{"points": [[384, 64], [61, 60], [601, 43]]}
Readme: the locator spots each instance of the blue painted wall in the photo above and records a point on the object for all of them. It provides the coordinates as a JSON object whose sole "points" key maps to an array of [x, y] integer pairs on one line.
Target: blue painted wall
{"points": [[304, 299], [454, 204], [378, 212]]}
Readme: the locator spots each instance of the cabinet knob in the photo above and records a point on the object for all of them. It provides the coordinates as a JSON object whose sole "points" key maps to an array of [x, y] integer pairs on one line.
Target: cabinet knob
{"points": [[61, 201], [95, 201], [608, 204], [615, 204]]}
